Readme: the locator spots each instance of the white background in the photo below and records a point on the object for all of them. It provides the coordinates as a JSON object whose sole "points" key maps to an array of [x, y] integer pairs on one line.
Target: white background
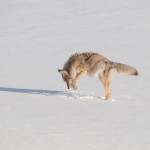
{"points": [[37, 112]]}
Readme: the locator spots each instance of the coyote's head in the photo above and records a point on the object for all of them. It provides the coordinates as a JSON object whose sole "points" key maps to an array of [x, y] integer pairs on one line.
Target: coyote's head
{"points": [[66, 77]]}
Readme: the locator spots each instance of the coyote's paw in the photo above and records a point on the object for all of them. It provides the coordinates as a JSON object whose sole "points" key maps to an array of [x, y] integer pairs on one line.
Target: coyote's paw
{"points": [[74, 85]]}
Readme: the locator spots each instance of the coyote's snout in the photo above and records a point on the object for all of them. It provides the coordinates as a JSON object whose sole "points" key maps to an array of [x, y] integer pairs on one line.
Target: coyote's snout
{"points": [[93, 64], [66, 77]]}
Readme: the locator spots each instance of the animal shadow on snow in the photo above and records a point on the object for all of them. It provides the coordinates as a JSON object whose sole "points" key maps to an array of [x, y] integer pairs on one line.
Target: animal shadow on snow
{"points": [[66, 94], [36, 91]]}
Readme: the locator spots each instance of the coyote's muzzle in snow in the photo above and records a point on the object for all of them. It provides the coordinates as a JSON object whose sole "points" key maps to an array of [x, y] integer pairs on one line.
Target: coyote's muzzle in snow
{"points": [[93, 64]]}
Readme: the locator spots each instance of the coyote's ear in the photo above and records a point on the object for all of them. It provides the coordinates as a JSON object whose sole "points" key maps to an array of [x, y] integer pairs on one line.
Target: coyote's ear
{"points": [[63, 72]]}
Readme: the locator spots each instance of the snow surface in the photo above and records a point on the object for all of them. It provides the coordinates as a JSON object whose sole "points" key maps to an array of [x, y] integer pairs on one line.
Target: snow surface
{"points": [[37, 112]]}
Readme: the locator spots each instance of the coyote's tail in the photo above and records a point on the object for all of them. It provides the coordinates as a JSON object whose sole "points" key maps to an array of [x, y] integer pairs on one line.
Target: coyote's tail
{"points": [[125, 69]]}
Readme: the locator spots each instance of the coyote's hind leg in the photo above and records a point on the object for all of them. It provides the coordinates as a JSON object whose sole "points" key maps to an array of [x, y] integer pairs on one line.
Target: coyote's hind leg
{"points": [[106, 80], [108, 90]]}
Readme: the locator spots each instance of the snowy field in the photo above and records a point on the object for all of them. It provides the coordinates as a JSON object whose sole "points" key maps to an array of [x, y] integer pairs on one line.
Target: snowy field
{"points": [[37, 112]]}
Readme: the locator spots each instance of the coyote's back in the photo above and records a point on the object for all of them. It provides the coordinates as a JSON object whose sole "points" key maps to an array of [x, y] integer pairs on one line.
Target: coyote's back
{"points": [[91, 62]]}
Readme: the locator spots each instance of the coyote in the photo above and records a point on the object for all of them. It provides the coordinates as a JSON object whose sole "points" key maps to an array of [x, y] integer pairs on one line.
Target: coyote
{"points": [[93, 64]]}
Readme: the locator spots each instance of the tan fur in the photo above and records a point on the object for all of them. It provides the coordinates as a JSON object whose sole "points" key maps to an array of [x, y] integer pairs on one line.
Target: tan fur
{"points": [[93, 64]]}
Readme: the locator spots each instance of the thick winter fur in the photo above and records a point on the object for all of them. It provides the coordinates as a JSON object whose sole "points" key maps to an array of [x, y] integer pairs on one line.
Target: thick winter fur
{"points": [[93, 64]]}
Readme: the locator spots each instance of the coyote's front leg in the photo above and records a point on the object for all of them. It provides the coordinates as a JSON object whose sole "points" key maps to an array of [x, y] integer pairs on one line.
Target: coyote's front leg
{"points": [[79, 76]]}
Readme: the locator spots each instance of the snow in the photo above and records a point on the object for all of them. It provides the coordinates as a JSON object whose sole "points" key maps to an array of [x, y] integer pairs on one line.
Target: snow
{"points": [[37, 111]]}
